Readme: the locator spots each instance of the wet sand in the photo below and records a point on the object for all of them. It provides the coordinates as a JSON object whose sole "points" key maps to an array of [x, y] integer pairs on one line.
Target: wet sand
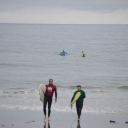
{"points": [[33, 119]]}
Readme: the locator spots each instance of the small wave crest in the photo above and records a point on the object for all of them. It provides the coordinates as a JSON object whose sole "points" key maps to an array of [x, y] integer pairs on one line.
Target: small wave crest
{"points": [[17, 64], [83, 87], [101, 89], [123, 87], [17, 91], [7, 64]]}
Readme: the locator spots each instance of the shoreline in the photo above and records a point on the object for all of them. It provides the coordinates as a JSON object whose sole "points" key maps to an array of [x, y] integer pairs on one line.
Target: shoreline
{"points": [[27, 118]]}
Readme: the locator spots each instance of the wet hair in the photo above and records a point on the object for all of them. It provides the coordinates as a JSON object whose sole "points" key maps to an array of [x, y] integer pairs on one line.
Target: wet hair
{"points": [[50, 80]]}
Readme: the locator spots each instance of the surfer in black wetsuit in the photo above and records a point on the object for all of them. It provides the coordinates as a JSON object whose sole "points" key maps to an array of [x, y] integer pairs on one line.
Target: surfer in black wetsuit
{"points": [[50, 89], [79, 102]]}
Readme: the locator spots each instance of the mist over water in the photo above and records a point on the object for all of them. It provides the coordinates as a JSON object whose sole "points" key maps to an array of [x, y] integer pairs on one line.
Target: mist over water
{"points": [[29, 56]]}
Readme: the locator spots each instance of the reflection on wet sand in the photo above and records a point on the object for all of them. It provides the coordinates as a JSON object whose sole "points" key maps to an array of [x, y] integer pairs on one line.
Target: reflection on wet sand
{"points": [[48, 124], [78, 124]]}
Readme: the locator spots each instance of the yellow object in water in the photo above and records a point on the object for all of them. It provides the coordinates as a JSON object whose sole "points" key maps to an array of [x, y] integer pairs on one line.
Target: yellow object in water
{"points": [[83, 54], [78, 94]]}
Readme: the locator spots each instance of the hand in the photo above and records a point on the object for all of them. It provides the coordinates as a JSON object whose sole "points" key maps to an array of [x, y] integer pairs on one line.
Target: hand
{"points": [[40, 99], [55, 100], [70, 103]]}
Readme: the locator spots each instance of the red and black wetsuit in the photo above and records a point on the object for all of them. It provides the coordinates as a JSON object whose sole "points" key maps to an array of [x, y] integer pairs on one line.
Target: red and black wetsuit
{"points": [[50, 89]]}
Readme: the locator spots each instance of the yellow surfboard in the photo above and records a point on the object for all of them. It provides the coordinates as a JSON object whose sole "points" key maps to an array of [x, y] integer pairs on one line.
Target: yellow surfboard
{"points": [[78, 94]]}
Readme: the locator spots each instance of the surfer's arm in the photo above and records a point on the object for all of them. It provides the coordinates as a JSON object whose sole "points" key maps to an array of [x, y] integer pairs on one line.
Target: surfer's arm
{"points": [[83, 95], [71, 101], [55, 92], [55, 95], [72, 97]]}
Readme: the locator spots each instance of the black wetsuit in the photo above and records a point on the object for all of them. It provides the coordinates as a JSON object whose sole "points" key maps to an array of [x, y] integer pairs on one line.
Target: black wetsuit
{"points": [[49, 100], [79, 109]]}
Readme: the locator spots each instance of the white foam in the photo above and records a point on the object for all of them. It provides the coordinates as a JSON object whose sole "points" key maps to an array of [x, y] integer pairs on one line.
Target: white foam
{"points": [[101, 102]]}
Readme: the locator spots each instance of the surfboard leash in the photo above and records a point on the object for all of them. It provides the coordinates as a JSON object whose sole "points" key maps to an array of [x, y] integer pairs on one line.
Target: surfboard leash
{"points": [[74, 117], [72, 112], [72, 123]]}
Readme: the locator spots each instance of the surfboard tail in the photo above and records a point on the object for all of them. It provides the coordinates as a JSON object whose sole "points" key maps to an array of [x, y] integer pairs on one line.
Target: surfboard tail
{"points": [[42, 90]]}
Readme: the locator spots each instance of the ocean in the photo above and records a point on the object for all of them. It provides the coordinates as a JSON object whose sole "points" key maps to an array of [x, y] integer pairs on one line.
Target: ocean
{"points": [[29, 56]]}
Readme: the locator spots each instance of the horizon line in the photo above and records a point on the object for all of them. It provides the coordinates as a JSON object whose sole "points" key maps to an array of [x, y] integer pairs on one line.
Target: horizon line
{"points": [[65, 23]]}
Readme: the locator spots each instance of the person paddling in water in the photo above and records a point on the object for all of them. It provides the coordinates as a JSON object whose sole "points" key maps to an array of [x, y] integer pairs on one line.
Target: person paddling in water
{"points": [[63, 53], [50, 89], [79, 102]]}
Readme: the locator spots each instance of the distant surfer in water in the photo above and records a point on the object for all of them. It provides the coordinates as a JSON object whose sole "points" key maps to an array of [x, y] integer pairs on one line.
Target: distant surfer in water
{"points": [[79, 102], [83, 54], [50, 89], [63, 53]]}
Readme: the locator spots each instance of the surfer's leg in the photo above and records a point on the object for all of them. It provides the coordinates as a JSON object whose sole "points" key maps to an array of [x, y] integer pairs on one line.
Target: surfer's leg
{"points": [[49, 107], [44, 107], [79, 109]]}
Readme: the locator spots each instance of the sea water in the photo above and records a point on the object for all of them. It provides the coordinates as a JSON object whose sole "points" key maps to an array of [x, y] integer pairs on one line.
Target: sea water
{"points": [[29, 56]]}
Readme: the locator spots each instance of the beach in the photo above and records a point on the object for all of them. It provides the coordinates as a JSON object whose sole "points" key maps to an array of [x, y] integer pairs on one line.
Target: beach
{"points": [[30, 56], [27, 119]]}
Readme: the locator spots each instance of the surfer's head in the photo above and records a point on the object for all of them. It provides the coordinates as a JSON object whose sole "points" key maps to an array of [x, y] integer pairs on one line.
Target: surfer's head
{"points": [[50, 81], [78, 87]]}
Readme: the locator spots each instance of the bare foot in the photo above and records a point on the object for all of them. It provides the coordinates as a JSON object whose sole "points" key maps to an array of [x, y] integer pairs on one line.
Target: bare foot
{"points": [[44, 118]]}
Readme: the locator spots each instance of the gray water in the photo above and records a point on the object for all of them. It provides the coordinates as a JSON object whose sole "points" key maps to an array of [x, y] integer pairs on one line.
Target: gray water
{"points": [[29, 56]]}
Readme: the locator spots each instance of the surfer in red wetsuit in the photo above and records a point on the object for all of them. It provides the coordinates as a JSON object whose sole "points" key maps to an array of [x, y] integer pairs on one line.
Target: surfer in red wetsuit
{"points": [[50, 89]]}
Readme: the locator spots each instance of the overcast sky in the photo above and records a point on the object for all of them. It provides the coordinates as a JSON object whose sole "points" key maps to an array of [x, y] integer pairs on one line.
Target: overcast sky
{"points": [[64, 11]]}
